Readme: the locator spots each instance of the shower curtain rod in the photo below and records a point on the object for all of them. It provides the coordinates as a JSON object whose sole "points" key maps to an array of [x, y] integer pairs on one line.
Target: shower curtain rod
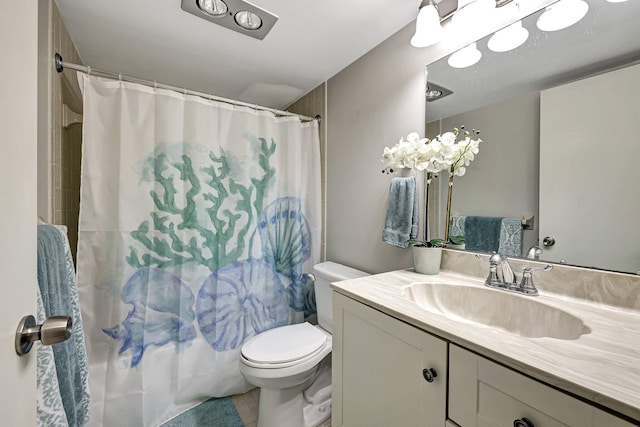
{"points": [[60, 65]]}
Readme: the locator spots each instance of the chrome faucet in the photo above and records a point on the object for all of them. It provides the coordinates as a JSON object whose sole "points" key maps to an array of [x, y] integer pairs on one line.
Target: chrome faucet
{"points": [[534, 252], [501, 275], [526, 284]]}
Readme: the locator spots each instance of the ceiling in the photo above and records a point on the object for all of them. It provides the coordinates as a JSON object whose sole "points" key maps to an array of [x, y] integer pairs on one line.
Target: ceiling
{"points": [[156, 40]]}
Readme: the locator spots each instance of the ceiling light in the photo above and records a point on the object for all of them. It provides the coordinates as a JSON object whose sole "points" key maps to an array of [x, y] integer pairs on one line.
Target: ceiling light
{"points": [[616, 1], [435, 92], [237, 15], [248, 20], [465, 57], [428, 29], [562, 14], [508, 38], [215, 8]]}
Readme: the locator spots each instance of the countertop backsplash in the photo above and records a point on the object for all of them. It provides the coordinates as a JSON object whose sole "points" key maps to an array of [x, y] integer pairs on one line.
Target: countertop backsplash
{"points": [[620, 290]]}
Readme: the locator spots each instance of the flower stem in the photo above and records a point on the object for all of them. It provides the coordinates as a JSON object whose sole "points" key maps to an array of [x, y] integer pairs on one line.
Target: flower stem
{"points": [[448, 215]]}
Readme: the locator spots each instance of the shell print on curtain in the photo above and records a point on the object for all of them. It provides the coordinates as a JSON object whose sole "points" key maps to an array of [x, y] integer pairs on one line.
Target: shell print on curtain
{"points": [[197, 243], [241, 297]]}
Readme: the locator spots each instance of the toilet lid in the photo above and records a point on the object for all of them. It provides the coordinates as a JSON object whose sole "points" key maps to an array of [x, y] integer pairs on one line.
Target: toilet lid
{"points": [[284, 344]]}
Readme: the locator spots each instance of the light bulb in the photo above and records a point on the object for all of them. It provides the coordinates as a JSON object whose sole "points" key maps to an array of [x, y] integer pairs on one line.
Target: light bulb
{"points": [[465, 57], [428, 29], [562, 14], [508, 38]]}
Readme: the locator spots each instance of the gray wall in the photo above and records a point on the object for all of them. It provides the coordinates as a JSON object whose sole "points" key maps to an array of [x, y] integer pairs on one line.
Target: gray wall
{"points": [[371, 104], [503, 178]]}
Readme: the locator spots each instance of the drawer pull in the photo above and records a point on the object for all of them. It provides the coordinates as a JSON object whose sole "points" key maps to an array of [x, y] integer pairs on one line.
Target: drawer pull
{"points": [[430, 374], [523, 422]]}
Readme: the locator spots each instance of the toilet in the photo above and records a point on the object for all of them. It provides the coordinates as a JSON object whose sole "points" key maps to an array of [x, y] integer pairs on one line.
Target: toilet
{"points": [[292, 364]]}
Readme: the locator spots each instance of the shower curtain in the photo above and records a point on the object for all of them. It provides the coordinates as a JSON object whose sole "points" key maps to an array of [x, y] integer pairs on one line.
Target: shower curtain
{"points": [[198, 222]]}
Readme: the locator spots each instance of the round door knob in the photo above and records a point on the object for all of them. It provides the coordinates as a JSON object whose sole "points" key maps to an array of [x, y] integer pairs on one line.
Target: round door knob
{"points": [[548, 241], [523, 422], [429, 374]]}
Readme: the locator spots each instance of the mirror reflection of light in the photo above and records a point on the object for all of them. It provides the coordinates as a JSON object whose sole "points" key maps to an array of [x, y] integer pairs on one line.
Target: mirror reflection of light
{"points": [[508, 38], [465, 57], [562, 14], [428, 29]]}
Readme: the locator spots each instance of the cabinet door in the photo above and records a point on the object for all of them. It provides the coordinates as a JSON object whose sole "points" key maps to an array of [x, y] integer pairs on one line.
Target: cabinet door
{"points": [[485, 394], [378, 364]]}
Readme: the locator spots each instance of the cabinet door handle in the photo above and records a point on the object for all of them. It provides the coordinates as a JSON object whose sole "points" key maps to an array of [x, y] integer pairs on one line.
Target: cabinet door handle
{"points": [[429, 374], [523, 422]]}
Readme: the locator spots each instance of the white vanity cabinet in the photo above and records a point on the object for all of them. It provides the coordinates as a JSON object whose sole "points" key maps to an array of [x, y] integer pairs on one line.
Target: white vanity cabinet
{"points": [[378, 365], [485, 394]]}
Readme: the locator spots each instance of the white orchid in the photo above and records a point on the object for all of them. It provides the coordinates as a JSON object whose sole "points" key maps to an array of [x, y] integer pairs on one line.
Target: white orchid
{"points": [[416, 153], [463, 151], [433, 156]]}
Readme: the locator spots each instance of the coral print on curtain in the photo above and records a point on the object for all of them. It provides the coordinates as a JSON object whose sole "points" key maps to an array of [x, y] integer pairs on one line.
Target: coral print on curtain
{"points": [[199, 223]]}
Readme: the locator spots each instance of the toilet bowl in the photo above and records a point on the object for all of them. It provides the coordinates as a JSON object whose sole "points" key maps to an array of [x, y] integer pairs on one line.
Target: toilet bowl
{"points": [[292, 364]]}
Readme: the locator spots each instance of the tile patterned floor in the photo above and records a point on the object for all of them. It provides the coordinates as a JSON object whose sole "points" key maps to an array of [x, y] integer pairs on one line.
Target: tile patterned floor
{"points": [[247, 407]]}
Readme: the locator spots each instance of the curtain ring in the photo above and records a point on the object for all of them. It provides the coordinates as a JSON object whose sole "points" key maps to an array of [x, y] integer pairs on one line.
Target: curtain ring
{"points": [[155, 84], [88, 70], [120, 76]]}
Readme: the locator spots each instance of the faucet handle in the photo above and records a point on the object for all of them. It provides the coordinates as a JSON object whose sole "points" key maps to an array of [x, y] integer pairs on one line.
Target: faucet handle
{"points": [[527, 270], [494, 259], [526, 285]]}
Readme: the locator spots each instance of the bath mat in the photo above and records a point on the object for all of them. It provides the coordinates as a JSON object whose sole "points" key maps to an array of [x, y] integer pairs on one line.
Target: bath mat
{"points": [[210, 413]]}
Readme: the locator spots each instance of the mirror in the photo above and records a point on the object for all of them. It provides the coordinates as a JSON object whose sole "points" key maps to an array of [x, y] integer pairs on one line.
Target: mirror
{"points": [[512, 98]]}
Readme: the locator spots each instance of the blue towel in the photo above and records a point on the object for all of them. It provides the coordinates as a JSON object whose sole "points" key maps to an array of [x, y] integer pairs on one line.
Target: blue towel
{"points": [[56, 279], [482, 233], [401, 222], [511, 237]]}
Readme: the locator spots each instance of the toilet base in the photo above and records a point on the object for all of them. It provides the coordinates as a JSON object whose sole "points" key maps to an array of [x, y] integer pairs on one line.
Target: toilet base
{"points": [[281, 407], [288, 408], [305, 405]]}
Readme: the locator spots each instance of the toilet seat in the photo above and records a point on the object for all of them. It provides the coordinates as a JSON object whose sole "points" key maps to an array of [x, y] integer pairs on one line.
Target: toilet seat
{"points": [[284, 346]]}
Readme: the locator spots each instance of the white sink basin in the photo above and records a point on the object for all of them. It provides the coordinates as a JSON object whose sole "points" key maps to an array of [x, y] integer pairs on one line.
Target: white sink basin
{"points": [[520, 315]]}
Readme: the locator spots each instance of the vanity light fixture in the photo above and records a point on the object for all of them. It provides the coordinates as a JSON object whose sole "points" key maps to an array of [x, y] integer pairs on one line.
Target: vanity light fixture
{"points": [[465, 57], [562, 14], [432, 13], [508, 38], [237, 15]]}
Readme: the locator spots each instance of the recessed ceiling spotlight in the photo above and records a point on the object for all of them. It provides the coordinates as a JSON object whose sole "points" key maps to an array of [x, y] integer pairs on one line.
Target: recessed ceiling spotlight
{"points": [[508, 38], [562, 14], [215, 8], [248, 20], [465, 57], [435, 92], [240, 16]]}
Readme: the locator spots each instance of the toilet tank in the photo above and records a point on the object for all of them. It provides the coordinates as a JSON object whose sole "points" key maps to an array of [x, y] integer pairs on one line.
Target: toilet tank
{"points": [[327, 273]]}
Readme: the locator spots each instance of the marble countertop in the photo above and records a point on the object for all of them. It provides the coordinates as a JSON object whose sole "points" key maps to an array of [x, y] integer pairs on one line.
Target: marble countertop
{"points": [[602, 366]]}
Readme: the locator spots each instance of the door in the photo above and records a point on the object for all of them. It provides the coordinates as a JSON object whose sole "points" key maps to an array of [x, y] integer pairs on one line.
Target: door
{"points": [[18, 217], [588, 174]]}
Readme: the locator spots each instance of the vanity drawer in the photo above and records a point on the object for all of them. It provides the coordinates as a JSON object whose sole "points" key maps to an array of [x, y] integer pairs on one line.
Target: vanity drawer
{"points": [[485, 394]]}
